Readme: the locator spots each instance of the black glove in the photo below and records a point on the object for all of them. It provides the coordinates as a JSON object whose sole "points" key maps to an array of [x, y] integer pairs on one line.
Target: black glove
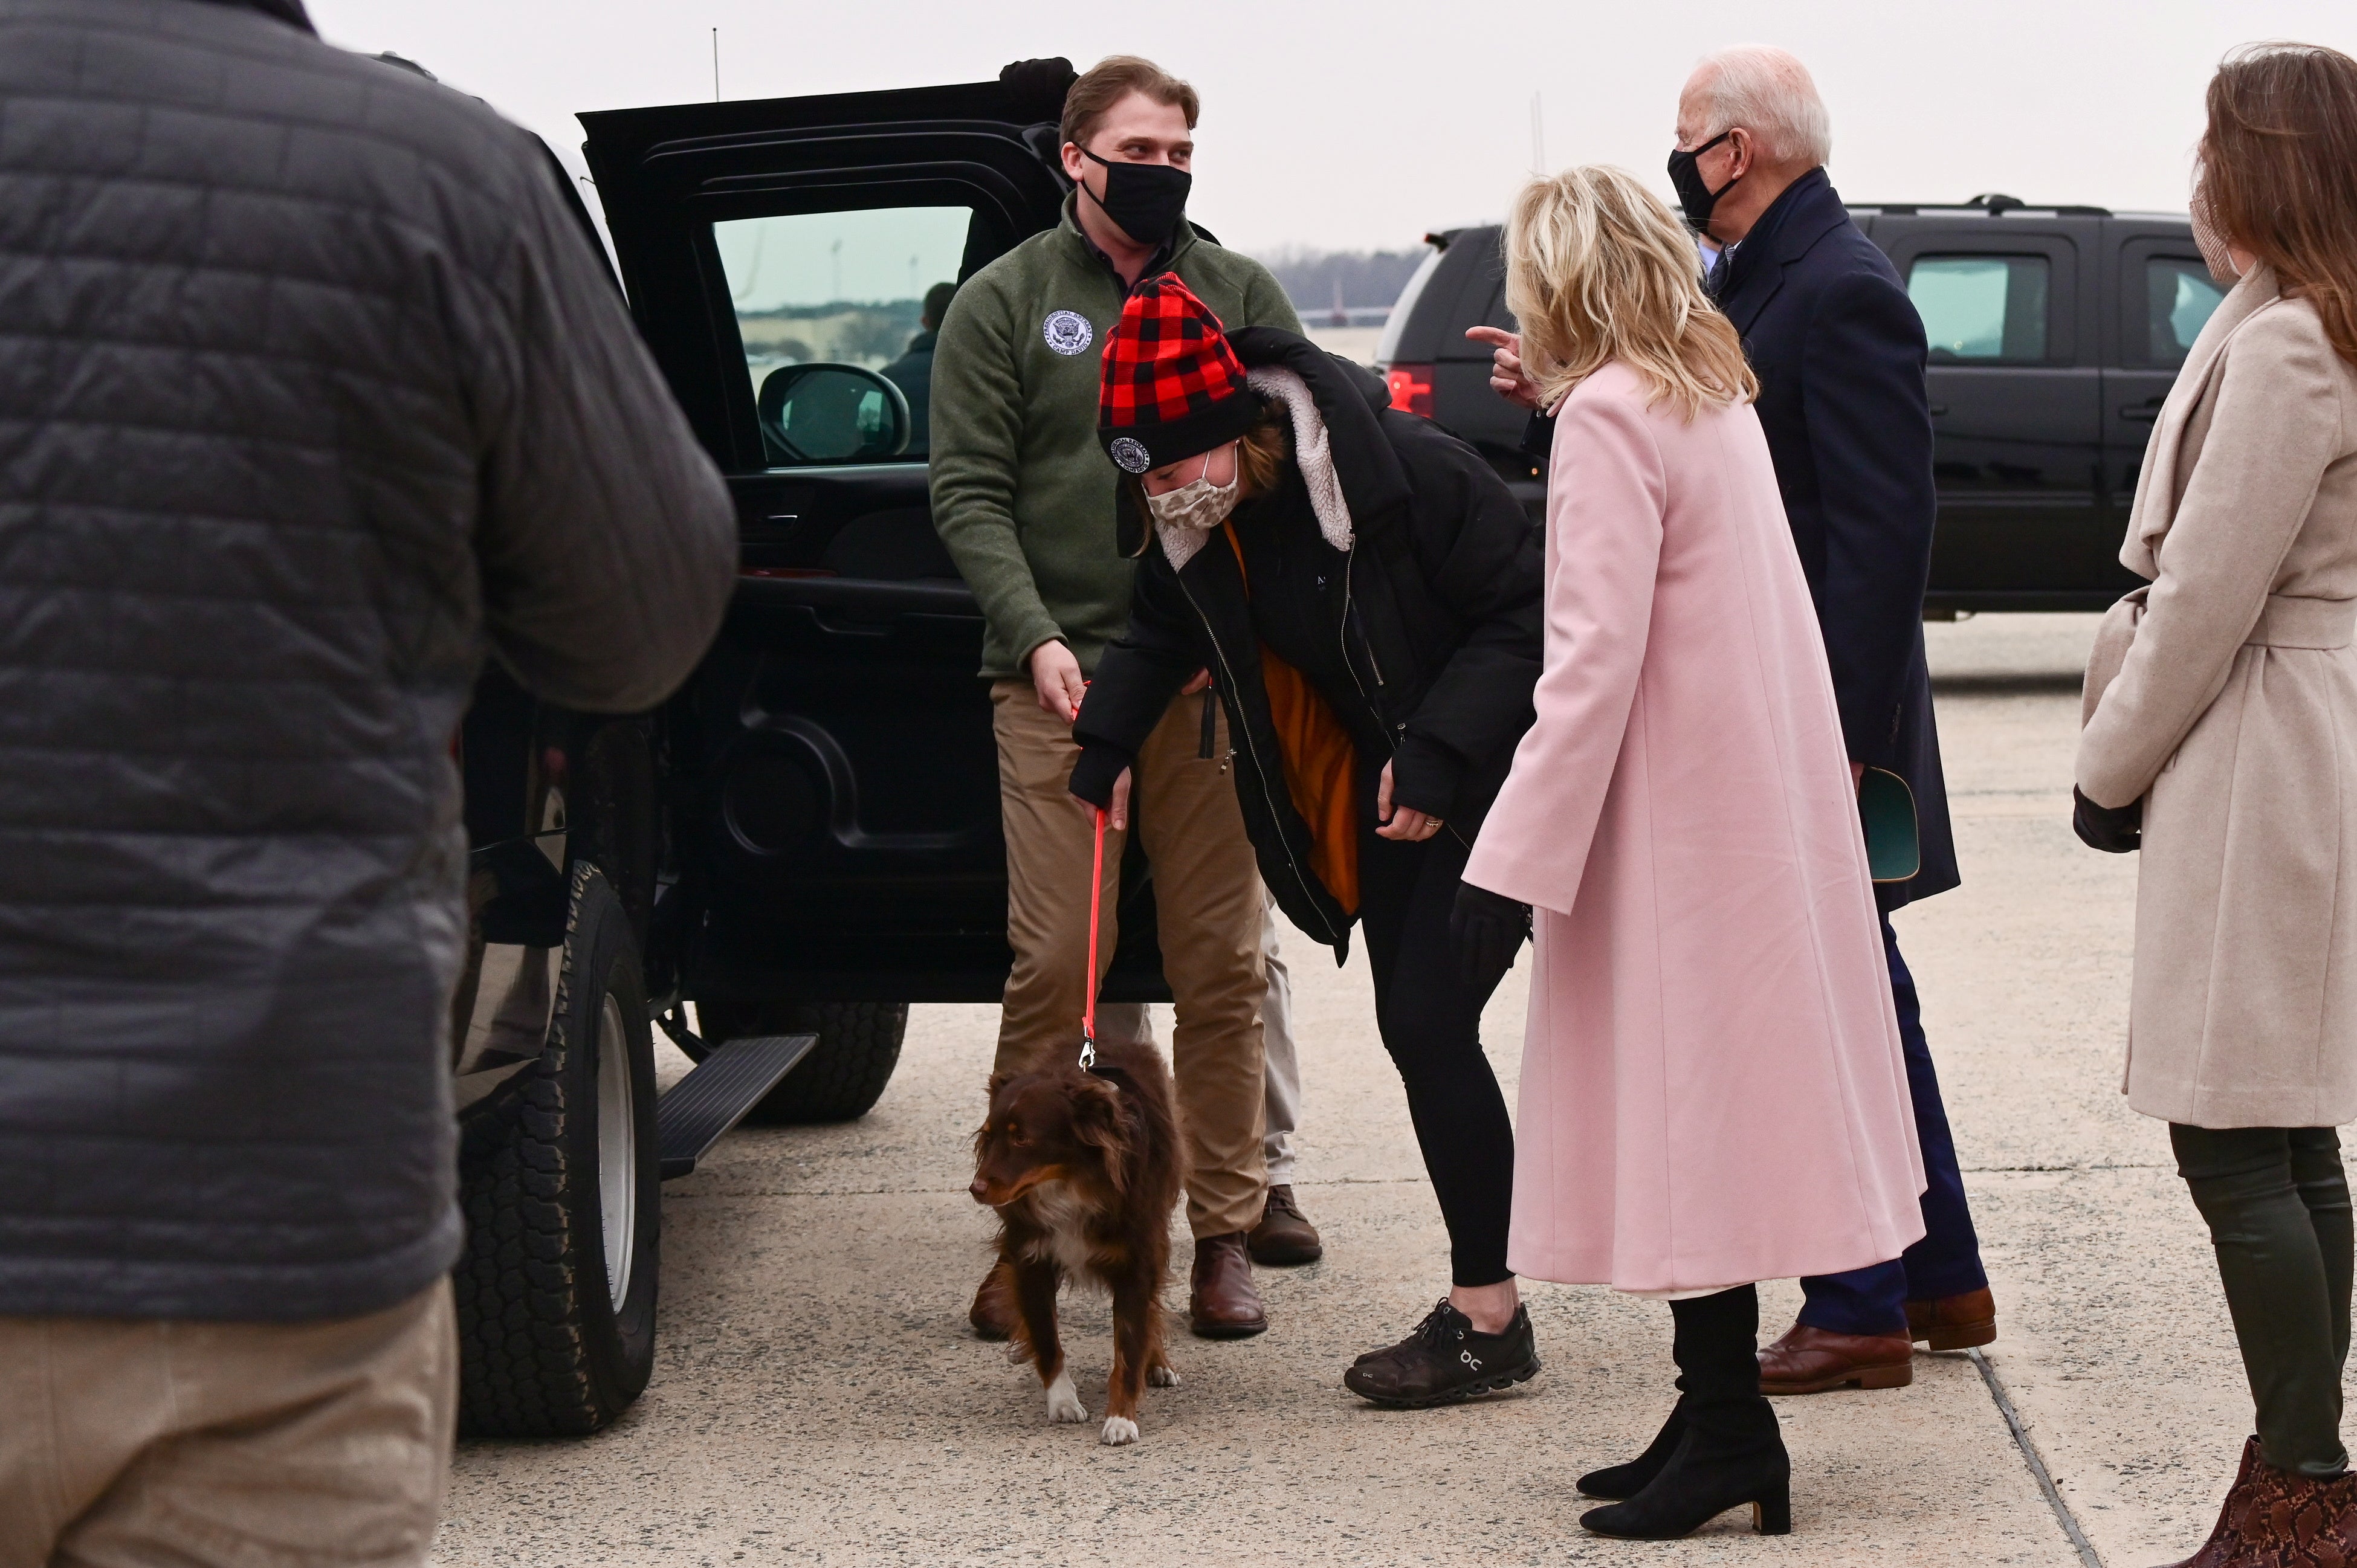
{"points": [[1096, 772], [2114, 830], [1040, 86], [1488, 928]]}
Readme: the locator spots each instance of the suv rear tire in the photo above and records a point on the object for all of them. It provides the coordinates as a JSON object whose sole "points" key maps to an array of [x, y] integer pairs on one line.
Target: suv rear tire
{"points": [[844, 1074], [559, 1176]]}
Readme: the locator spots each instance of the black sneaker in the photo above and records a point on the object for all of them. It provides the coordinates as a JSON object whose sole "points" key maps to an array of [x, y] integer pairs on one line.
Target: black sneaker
{"points": [[1445, 1360]]}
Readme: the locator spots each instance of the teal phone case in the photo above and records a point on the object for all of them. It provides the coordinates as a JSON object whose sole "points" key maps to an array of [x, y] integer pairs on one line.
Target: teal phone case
{"points": [[1894, 849]]}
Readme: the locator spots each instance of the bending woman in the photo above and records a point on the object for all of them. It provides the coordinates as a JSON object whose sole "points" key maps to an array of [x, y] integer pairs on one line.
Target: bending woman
{"points": [[1712, 1088], [1363, 590], [2228, 741]]}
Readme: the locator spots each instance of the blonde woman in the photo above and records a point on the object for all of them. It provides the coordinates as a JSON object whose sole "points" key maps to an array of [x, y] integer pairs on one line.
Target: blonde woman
{"points": [[1712, 1088]]}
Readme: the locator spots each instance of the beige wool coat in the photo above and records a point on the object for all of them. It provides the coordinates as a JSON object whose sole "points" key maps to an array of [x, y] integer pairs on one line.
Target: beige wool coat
{"points": [[2224, 695]]}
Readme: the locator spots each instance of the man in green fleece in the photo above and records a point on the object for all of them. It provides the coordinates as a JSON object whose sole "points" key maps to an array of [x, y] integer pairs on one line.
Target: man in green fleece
{"points": [[1026, 500]]}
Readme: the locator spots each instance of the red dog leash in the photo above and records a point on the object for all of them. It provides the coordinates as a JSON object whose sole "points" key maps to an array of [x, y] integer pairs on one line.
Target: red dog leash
{"points": [[1096, 911], [1096, 907]]}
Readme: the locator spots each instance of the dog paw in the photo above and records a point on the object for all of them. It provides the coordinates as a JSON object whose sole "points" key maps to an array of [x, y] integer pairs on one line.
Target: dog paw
{"points": [[1063, 1404], [1162, 1377], [1119, 1432]]}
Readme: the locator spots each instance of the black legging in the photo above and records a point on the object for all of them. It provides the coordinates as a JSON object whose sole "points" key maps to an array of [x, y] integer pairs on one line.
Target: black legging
{"points": [[1431, 1024], [2277, 1202]]}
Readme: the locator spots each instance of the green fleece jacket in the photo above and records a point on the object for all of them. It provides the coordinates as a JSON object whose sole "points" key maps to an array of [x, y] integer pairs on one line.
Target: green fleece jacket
{"points": [[1023, 495]]}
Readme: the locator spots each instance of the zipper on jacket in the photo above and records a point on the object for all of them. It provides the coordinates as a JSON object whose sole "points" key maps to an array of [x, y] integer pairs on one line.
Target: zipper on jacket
{"points": [[1351, 613], [1342, 637], [1229, 676]]}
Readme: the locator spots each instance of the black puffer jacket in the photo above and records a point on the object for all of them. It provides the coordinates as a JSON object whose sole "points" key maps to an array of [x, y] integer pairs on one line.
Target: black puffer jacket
{"points": [[1432, 618], [311, 392]]}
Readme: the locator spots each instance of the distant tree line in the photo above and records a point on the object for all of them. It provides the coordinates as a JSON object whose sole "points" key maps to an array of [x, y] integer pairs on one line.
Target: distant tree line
{"points": [[863, 333], [1368, 277]]}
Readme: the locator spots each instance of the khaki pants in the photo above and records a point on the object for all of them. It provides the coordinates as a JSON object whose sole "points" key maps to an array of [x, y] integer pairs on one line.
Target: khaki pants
{"points": [[1208, 908], [1280, 1062], [127, 1443], [1282, 1118]]}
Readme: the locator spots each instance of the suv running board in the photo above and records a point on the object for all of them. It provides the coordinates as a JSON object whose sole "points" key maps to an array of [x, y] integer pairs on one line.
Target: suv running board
{"points": [[702, 1107]]}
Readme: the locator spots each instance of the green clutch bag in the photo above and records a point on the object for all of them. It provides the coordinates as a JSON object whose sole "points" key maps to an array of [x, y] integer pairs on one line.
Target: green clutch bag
{"points": [[1894, 851]]}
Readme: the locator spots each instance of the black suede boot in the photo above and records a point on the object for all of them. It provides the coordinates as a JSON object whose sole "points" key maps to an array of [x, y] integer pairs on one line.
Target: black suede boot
{"points": [[1617, 1483], [1731, 1453]]}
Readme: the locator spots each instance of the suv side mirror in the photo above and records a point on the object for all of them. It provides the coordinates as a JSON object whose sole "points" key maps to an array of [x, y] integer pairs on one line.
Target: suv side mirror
{"points": [[825, 412]]}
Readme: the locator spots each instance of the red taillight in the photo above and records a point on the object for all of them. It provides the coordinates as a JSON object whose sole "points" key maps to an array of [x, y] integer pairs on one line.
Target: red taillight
{"points": [[1411, 389]]}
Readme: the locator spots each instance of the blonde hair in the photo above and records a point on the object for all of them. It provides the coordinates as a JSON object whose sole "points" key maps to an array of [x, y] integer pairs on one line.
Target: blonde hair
{"points": [[1598, 270], [1261, 455]]}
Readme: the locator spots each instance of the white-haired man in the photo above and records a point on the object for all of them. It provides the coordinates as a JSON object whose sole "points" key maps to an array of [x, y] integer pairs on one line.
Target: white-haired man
{"points": [[1840, 354]]}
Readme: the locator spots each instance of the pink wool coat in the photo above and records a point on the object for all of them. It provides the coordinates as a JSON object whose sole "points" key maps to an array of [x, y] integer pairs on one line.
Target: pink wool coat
{"points": [[1712, 1088]]}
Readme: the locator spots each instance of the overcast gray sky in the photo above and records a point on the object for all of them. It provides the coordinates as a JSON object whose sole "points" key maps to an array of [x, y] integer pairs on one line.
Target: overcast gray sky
{"points": [[1360, 124]]}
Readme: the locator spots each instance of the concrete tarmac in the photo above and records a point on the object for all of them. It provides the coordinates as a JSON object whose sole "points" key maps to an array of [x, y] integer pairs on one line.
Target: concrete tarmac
{"points": [[818, 1398]]}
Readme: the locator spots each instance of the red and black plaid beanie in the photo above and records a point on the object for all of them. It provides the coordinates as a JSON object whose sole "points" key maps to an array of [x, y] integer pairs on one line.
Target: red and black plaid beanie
{"points": [[1172, 387]]}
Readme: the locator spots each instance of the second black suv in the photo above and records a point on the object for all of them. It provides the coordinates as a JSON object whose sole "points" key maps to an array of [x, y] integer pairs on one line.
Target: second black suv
{"points": [[2055, 334]]}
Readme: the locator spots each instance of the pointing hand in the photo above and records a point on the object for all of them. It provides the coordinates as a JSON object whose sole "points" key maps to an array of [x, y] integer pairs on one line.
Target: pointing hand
{"points": [[1508, 379]]}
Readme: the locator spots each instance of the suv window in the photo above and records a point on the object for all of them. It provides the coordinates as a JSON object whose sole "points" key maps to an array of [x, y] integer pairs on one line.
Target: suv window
{"points": [[1982, 309], [2179, 295], [840, 289]]}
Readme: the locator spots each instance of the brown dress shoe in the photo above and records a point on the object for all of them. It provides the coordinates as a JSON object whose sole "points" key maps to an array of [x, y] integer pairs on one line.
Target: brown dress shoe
{"points": [[1811, 1360], [1283, 1237], [992, 1312], [1954, 1322], [1223, 1303]]}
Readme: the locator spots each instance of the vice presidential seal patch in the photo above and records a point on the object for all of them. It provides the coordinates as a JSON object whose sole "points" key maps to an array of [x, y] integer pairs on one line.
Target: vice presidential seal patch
{"points": [[1067, 332], [1131, 454]]}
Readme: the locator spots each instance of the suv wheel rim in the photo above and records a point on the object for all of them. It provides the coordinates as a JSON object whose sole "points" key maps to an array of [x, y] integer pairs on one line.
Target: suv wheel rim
{"points": [[618, 1150]]}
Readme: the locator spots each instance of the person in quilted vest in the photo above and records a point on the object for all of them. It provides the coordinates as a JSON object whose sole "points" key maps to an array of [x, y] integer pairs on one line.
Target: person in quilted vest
{"points": [[315, 392]]}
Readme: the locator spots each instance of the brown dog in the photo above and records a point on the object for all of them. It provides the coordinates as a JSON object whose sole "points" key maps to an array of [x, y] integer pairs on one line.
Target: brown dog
{"points": [[1084, 1168]]}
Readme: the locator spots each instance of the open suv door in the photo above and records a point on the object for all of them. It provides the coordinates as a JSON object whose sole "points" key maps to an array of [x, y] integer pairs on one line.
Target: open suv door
{"points": [[830, 775]]}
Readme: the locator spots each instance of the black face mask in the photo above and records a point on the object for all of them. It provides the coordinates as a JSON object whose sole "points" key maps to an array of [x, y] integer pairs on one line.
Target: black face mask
{"points": [[1695, 197], [1145, 200]]}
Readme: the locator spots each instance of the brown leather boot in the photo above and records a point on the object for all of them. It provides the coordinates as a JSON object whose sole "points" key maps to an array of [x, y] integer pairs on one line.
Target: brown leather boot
{"points": [[1222, 1302], [1811, 1360], [992, 1312], [2217, 1551], [1954, 1322], [2277, 1519], [1284, 1237]]}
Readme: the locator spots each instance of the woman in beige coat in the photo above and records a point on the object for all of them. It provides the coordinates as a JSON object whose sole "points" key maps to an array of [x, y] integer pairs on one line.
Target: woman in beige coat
{"points": [[2221, 734]]}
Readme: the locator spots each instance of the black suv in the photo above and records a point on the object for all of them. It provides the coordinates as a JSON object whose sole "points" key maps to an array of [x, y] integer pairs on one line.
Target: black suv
{"points": [[806, 838], [2055, 333]]}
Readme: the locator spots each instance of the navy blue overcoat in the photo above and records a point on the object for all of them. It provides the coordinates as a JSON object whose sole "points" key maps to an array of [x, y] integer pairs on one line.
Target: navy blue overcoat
{"points": [[1839, 351]]}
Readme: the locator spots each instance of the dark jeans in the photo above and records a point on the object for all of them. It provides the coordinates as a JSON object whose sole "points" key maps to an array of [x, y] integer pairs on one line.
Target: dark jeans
{"points": [[1431, 1025], [1947, 1261], [2277, 1202]]}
